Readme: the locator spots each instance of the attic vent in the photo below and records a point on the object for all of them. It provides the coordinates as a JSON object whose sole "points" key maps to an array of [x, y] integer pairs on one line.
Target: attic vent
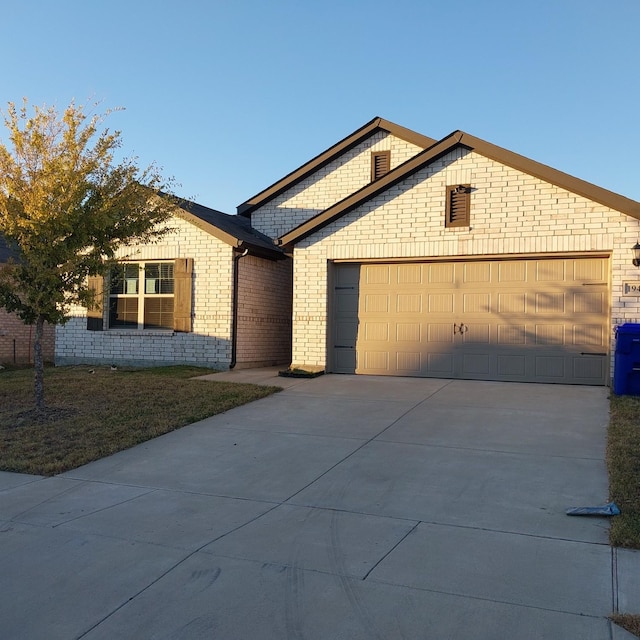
{"points": [[458, 206], [380, 164]]}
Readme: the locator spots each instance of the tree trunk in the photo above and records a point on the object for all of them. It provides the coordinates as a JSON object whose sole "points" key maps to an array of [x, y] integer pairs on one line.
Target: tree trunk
{"points": [[38, 365]]}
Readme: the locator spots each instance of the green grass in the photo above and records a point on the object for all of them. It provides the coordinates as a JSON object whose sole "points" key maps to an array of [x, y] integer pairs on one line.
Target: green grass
{"points": [[623, 460], [94, 412]]}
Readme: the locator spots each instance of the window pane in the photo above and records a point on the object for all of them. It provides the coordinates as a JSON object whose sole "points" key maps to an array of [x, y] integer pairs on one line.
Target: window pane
{"points": [[158, 278], [123, 312], [124, 279], [158, 313]]}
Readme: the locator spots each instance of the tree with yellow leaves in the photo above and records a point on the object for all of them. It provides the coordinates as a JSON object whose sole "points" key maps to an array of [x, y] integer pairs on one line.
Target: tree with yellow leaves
{"points": [[66, 206]]}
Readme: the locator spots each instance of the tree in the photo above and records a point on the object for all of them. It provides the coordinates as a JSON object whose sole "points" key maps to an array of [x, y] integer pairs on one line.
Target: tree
{"points": [[67, 206]]}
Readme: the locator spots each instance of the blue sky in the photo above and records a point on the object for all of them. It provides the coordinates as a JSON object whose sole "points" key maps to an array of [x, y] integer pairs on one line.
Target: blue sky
{"points": [[229, 96]]}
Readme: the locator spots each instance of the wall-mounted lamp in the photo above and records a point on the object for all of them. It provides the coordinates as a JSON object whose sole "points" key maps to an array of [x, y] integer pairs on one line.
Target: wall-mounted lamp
{"points": [[636, 254]]}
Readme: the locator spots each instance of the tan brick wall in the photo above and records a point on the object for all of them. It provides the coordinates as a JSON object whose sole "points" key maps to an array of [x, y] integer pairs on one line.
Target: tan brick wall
{"points": [[16, 340], [264, 312], [328, 185], [209, 344], [511, 213]]}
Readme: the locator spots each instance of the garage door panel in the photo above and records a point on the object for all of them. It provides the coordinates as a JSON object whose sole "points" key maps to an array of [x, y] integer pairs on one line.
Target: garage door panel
{"points": [[549, 334], [590, 369], [543, 320], [442, 273], [376, 362], [410, 274], [408, 332], [588, 335], [589, 270], [376, 331], [512, 335], [552, 367], [409, 303], [377, 274], [512, 366], [440, 364], [589, 302], [476, 334], [476, 365], [512, 303], [442, 333], [550, 303], [476, 303], [409, 363], [512, 272], [440, 303], [376, 303], [550, 271]]}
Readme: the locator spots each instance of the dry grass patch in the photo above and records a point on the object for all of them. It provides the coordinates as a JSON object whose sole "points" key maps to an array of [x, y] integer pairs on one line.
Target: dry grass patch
{"points": [[623, 460], [94, 412]]}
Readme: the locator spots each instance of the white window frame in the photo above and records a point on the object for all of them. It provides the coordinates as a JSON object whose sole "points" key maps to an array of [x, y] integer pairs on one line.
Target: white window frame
{"points": [[141, 295]]}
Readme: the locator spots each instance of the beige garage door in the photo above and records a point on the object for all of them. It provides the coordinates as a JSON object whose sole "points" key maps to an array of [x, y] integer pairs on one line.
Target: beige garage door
{"points": [[543, 320]]}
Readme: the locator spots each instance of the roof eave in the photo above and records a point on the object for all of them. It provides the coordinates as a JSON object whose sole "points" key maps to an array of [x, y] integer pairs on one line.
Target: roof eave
{"points": [[548, 174], [371, 190], [330, 154]]}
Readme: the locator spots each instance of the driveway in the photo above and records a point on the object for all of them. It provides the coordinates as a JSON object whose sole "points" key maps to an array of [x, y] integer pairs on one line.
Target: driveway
{"points": [[343, 507]]}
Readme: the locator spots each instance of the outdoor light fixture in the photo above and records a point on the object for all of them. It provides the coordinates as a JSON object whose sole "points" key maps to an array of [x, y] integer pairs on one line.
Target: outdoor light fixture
{"points": [[636, 254]]}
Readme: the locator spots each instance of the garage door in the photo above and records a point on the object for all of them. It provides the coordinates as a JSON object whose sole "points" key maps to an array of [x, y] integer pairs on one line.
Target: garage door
{"points": [[543, 320]]}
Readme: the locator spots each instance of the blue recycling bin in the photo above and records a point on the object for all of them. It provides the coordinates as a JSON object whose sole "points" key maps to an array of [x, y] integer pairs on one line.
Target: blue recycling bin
{"points": [[626, 371]]}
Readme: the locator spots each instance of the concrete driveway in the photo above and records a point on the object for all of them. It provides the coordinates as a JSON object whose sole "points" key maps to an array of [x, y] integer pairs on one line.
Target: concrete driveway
{"points": [[343, 507]]}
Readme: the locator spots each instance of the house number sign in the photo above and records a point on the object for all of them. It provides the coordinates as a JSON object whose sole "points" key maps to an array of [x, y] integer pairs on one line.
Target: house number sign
{"points": [[631, 288]]}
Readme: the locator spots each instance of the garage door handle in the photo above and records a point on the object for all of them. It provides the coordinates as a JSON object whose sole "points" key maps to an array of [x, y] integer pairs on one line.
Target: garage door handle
{"points": [[343, 346], [461, 328], [584, 353]]}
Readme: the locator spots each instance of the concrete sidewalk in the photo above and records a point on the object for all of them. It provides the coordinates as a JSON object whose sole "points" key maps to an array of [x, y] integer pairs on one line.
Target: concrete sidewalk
{"points": [[342, 507]]}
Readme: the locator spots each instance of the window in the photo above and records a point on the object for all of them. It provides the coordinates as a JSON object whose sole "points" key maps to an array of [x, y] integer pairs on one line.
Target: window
{"points": [[141, 296], [380, 164], [458, 206]]}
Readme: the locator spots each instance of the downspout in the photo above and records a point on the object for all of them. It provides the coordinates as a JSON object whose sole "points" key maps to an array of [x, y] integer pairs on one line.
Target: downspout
{"points": [[234, 321]]}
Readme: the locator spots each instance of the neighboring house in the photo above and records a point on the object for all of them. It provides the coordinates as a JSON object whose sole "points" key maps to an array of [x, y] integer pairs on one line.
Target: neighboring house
{"points": [[453, 259], [16, 337], [212, 292]]}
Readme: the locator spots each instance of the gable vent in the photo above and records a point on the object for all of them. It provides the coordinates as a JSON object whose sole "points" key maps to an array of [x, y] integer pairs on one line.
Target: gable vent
{"points": [[380, 164], [458, 206]]}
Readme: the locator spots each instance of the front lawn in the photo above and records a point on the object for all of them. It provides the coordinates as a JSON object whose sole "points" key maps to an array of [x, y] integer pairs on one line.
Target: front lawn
{"points": [[623, 460], [96, 411]]}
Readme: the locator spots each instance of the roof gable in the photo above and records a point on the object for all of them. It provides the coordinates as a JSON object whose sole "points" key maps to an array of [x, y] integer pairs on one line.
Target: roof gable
{"points": [[233, 230], [321, 160], [452, 141]]}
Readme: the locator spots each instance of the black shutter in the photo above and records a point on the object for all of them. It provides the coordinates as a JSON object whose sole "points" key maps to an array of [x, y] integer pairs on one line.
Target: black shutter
{"points": [[95, 320]]}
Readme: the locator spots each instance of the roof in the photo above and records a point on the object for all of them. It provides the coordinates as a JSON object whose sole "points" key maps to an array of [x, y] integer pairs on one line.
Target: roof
{"points": [[234, 230], [439, 149], [352, 140]]}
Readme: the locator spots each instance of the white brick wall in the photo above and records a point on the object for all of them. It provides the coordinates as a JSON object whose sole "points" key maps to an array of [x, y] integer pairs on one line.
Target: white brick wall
{"points": [[329, 185], [209, 344], [511, 213]]}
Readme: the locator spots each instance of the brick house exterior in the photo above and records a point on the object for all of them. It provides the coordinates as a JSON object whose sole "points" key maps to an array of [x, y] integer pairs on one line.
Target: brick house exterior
{"points": [[566, 243], [229, 263], [16, 337]]}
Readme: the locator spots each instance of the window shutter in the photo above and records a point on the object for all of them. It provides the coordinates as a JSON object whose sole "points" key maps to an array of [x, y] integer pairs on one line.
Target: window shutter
{"points": [[458, 206], [95, 321], [380, 164], [183, 276]]}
